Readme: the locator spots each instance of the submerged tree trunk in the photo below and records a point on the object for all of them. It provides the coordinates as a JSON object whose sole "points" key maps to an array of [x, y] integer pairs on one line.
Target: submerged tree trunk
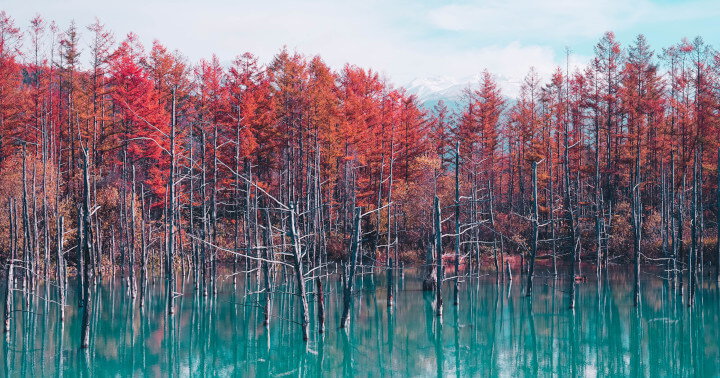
{"points": [[321, 305]]}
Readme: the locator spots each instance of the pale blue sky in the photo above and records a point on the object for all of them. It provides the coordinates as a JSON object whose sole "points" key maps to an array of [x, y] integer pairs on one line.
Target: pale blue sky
{"points": [[402, 39]]}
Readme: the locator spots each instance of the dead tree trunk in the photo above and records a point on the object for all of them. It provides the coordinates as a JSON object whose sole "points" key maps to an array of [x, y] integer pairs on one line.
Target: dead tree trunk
{"points": [[551, 208], [681, 229], [9, 270], [123, 215], [28, 253], [112, 252], [267, 256], [35, 268], [204, 228], [86, 247], [717, 204], [97, 249], [499, 272], [80, 259], [97, 242], [213, 215], [699, 255], [474, 219], [389, 195], [133, 280], [692, 255], [664, 217], [236, 236], [456, 295], [143, 248], [570, 215], [351, 264], [637, 228], [376, 238], [170, 271], [390, 284], [297, 258], [673, 223], [598, 205], [534, 221], [61, 270], [60, 264], [193, 242], [429, 280], [46, 223], [246, 220], [440, 275]]}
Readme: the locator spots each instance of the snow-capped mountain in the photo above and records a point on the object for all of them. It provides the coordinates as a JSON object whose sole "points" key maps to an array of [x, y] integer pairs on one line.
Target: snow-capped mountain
{"points": [[433, 89]]}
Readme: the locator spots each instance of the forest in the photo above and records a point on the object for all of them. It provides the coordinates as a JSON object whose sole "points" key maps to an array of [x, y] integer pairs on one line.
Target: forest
{"points": [[130, 161]]}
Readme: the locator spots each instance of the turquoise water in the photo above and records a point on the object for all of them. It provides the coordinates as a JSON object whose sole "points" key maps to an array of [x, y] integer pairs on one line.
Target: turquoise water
{"points": [[495, 331]]}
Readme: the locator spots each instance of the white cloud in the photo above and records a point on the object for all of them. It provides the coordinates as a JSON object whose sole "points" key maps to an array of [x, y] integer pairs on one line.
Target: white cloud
{"points": [[509, 64], [552, 19], [403, 39], [518, 17]]}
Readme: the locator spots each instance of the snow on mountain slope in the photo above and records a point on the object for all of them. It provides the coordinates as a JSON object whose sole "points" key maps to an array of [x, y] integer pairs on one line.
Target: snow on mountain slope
{"points": [[425, 87], [433, 89]]}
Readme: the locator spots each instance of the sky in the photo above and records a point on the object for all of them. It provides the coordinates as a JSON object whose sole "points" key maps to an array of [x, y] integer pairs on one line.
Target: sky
{"points": [[403, 40]]}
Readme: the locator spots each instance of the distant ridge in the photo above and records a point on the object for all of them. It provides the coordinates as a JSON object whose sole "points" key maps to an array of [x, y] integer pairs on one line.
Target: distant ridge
{"points": [[430, 90]]}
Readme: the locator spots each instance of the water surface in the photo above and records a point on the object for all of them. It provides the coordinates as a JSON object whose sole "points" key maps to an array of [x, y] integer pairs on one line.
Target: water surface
{"points": [[495, 331]]}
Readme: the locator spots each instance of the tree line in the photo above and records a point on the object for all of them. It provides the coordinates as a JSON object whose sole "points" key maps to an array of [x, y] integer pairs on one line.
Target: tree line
{"points": [[115, 160]]}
